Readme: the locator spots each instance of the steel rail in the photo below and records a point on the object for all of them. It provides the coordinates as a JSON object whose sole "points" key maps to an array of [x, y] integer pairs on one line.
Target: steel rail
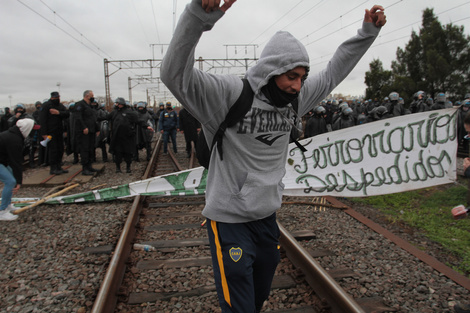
{"points": [[405, 245], [320, 281], [192, 159], [107, 297], [177, 165]]}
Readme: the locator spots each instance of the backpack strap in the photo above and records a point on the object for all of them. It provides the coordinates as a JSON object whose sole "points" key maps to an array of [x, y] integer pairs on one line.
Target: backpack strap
{"points": [[295, 106], [234, 115]]}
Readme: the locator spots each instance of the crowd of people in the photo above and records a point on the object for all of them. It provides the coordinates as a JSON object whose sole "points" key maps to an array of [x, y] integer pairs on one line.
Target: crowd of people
{"points": [[334, 114], [86, 129], [82, 128]]}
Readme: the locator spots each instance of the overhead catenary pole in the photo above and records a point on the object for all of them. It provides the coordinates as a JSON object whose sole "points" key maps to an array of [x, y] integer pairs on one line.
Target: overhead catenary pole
{"points": [[106, 85], [130, 90], [174, 15], [210, 64]]}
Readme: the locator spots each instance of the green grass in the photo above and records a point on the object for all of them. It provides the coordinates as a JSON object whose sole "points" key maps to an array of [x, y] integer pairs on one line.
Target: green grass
{"points": [[429, 210]]}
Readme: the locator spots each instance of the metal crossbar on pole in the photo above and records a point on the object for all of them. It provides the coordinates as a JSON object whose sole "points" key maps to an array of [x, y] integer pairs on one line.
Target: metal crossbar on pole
{"points": [[206, 65]]}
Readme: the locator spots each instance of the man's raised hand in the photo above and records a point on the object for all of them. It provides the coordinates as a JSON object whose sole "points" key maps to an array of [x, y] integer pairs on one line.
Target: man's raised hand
{"points": [[214, 5], [376, 15]]}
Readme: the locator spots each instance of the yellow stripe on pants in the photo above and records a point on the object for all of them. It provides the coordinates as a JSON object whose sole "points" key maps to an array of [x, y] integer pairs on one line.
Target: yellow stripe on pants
{"points": [[221, 263]]}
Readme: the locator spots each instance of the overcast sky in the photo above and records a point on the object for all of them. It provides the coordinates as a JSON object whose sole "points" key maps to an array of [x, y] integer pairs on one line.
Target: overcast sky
{"points": [[45, 43]]}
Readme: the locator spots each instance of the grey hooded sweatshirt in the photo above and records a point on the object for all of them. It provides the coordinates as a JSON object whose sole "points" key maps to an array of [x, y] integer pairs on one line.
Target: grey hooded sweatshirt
{"points": [[247, 184]]}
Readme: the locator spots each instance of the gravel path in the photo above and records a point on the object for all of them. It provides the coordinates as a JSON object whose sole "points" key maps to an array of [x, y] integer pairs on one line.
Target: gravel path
{"points": [[46, 266], [43, 254], [380, 268]]}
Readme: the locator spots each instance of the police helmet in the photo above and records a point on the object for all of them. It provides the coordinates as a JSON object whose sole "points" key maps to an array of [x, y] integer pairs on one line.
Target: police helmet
{"points": [[394, 96], [71, 105], [141, 104], [441, 97], [381, 110], [38, 103], [319, 110], [120, 101], [346, 111], [343, 105]]}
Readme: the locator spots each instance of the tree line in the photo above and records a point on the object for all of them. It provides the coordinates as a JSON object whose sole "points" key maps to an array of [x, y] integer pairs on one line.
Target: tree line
{"points": [[437, 59]]}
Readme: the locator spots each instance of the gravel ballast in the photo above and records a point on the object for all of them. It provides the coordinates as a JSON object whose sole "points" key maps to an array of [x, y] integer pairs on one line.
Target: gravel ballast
{"points": [[49, 265]]}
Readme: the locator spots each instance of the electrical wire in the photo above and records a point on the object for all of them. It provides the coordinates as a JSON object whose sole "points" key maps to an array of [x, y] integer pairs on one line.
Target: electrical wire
{"points": [[140, 21], [293, 7], [333, 21], [63, 30], [81, 34], [70, 35], [353, 23], [314, 6], [381, 36], [155, 22], [327, 35], [297, 19]]}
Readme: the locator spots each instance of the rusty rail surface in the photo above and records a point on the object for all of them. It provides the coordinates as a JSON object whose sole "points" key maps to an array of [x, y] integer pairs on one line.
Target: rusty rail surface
{"points": [[405, 245], [318, 278], [106, 299], [320, 281]]}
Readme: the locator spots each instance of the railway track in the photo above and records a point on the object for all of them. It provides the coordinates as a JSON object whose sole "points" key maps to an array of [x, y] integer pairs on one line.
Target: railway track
{"points": [[177, 275]]}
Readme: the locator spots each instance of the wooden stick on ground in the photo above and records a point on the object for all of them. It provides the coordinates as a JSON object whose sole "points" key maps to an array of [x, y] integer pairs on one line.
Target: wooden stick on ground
{"points": [[99, 186], [54, 189], [24, 201], [43, 199], [328, 205]]}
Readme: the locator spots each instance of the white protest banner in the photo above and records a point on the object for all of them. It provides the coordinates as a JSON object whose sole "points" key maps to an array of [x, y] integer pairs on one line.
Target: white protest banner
{"points": [[393, 155], [389, 156]]}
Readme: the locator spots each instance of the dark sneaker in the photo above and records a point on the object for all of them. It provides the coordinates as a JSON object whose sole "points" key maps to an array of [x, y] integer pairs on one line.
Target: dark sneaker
{"points": [[87, 173], [55, 172]]}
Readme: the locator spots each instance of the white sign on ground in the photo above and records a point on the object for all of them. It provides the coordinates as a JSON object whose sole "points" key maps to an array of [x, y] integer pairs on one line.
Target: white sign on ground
{"points": [[393, 155]]}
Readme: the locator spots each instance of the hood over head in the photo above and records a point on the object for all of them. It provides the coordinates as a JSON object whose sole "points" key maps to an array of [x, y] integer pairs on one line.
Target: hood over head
{"points": [[282, 53], [25, 125]]}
